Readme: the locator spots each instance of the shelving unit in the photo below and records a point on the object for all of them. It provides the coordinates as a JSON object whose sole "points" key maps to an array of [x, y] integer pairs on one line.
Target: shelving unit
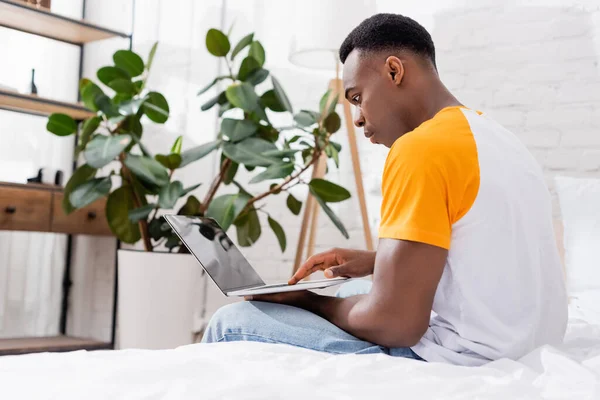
{"points": [[26, 18], [35, 105], [18, 15]]}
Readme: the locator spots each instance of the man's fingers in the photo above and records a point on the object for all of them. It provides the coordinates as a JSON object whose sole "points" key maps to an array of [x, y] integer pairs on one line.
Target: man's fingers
{"points": [[314, 263], [337, 271]]}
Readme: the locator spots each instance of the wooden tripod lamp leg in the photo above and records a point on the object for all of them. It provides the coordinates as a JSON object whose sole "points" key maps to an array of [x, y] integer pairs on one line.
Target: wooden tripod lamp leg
{"points": [[360, 191], [321, 168], [309, 210]]}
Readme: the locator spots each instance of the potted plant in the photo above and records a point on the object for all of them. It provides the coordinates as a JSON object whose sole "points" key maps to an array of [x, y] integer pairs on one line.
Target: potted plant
{"points": [[139, 186]]}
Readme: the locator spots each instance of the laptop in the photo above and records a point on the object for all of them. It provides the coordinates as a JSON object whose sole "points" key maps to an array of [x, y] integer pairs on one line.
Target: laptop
{"points": [[225, 264]]}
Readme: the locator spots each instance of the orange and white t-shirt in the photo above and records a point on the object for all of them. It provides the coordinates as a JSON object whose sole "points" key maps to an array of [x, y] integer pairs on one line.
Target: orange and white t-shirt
{"points": [[462, 182]]}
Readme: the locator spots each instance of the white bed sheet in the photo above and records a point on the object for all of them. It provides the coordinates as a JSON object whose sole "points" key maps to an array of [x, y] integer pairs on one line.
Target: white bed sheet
{"points": [[266, 371]]}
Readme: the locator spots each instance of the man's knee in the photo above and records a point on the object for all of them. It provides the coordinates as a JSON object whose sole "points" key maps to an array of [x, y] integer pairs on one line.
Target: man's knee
{"points": [[226, 318]]}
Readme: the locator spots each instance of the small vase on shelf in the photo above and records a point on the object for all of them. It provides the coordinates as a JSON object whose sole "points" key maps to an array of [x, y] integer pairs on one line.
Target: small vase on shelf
{"points": [[33, 89]]}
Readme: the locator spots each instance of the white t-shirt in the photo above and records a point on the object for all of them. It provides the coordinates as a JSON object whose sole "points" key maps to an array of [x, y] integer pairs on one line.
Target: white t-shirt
{"points": [[463, 182]]}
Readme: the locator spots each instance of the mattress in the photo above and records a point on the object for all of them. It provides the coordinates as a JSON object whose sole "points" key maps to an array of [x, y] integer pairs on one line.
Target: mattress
{"points": [[268, 371]]}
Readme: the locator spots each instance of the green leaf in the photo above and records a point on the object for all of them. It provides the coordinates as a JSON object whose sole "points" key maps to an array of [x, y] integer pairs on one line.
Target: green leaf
{"points": [[151, 56], [89, 92], [257, 52], [61, 125], [248, 228], [268, 133], [89, 127], [129, 61], [258, 76], [248, 66], [196, 153], [334, 218], [236, 129], [293, 204], [108, 74], [224, 209], [272, 186], [221, 98], [191, 207], [90, 191], [140, 213], [270, 100], [81, 175], [328, 191], [243, 96], [101, 150], [294, 139], [118, 205], [217, 43], [323, 102], [120, 98], [156, 107], [275, 171], [250, 152], [176, 148], [278, 231], [211, 84], [158, 228], [306, 118], [123, 86], [131, 107], [190, 189], [283, 99], [231, 171], [147, 169], [245, 41], [169, 161], [337, 146], [169, 194], [332, 152], [105, 104], [172, 242], [332, 123]]}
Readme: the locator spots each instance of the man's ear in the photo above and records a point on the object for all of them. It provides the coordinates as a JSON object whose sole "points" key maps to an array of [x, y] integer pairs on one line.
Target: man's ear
{"points": [[394, 69]]}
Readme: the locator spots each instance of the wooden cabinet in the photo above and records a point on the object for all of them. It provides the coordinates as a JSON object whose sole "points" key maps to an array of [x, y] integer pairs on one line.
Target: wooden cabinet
{"points": [[38, 208], [89, 220], [25, 209]]}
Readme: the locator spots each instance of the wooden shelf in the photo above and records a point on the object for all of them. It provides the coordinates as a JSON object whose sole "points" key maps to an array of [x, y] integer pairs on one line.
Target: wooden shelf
{"points": [[50, 343], [26, 18], [41, 106]]}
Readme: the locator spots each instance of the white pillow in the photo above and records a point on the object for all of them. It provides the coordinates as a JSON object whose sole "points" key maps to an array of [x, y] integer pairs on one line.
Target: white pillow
{"points": [[579, 200]]}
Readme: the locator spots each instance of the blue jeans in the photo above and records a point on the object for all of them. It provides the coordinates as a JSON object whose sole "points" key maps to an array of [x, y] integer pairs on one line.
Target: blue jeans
{"points": [[276, 323]]}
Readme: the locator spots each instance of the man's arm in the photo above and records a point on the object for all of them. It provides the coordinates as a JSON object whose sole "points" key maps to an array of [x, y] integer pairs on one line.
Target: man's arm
{"points": [[397, 310]]}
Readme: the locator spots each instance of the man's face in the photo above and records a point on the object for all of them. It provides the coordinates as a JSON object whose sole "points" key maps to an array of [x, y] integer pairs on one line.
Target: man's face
{"points": [[381, 104]]}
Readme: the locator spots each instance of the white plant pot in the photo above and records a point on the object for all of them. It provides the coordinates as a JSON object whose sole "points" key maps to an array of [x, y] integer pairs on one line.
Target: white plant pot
{"points": [[158, 295]]}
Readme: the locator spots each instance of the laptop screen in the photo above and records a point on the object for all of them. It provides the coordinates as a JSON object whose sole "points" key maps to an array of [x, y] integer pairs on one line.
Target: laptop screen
{"points": [[221, 259]]}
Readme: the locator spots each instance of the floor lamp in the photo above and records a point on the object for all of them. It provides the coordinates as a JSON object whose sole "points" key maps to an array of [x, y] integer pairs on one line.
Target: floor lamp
{"points": [[317, 48]]}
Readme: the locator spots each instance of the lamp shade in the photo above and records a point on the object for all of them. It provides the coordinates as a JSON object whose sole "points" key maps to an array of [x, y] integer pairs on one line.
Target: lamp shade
{"points": [[320, 27]]}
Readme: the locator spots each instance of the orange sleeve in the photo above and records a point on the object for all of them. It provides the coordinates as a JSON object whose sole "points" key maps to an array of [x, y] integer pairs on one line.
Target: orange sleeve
{"points": [[415, 196], [430, 180]]}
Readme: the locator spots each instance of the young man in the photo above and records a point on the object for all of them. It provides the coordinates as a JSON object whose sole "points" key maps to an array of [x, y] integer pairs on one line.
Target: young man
{"points": [[466, 228]]}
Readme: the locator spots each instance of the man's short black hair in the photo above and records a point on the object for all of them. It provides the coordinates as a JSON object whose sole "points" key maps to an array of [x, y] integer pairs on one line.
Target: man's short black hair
{"points": [[389, 32]]}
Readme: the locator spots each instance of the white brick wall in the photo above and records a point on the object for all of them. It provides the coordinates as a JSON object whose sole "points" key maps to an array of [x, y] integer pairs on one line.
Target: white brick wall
{"points": [[532, 64]]}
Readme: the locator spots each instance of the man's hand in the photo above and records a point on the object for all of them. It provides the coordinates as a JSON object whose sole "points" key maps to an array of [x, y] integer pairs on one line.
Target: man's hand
{"points": [[297, 298], [336, 263]]}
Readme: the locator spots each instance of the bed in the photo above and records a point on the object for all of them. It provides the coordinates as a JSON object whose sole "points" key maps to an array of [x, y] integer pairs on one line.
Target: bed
{"points": [[268, 371]]}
